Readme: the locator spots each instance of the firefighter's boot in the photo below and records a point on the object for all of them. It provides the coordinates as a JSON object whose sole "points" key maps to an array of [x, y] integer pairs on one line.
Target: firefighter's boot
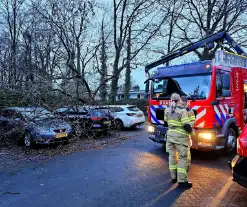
{"points": [[185, 185], [174, 181]]}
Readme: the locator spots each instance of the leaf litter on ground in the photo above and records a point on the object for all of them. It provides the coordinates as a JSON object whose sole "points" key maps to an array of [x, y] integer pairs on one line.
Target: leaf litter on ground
{"points": [[17, 156]]}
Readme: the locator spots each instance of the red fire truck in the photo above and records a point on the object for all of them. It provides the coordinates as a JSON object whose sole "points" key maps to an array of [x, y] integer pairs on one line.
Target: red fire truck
{"points": [[216, 90], [239, 163]]}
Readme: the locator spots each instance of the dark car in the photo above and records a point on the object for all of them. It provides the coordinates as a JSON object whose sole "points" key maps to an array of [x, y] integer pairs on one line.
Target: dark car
{"points": [[89, 118], [101, 116], [40, 126]]}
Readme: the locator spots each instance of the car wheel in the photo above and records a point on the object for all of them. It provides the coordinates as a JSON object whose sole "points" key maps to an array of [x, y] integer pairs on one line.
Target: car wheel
{"points": [[231, 142], [28, 140], [119, 124]]}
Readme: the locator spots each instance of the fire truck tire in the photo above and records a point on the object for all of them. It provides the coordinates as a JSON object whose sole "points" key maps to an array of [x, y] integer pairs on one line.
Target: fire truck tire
{"points": [[231, 141]]}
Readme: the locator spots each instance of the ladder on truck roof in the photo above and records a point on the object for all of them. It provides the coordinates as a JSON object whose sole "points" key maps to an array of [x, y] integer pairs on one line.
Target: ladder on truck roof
{"points": [[217, 37]]}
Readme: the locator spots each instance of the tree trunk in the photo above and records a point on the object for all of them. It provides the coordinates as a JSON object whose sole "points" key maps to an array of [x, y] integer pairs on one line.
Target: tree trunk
{"points": [[78, 68], [103, 70], [114, 83], [78, 58], [128, 70], [206, 55], [14, 45]]}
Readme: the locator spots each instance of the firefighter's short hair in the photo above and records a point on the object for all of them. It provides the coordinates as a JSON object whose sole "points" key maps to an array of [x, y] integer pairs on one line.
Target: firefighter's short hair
{"points": [[175, 97]]}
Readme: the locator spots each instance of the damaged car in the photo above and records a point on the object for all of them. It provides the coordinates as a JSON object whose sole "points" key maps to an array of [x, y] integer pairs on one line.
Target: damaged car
{"points": [[38, 125]]}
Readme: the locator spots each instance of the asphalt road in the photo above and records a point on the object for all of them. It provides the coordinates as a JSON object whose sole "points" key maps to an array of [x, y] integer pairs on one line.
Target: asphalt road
{"points": [[131, 173]]}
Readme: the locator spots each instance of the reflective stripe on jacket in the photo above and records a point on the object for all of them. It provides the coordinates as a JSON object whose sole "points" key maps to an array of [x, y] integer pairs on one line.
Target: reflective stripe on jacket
{"points": [[192, 117]]}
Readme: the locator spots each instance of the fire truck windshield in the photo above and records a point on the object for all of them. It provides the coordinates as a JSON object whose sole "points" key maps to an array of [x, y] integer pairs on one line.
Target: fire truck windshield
{"points": [[194, 87]]}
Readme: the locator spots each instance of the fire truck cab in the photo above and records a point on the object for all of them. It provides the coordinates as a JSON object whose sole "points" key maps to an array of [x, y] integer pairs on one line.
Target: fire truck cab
{"points": [[216, 91]]}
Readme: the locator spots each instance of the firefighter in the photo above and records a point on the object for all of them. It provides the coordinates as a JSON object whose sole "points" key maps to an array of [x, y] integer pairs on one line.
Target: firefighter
{"points": [[178, 140], [192, 119]]}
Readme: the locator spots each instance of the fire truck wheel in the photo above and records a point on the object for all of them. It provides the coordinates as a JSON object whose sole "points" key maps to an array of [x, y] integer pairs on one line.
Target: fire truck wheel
{"points": [[231, 142]]}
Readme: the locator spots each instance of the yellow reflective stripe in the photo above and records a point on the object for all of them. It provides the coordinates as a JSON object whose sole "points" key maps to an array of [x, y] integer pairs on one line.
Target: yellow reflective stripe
{"points": [[172, 120], [165, 118], [179, 131], [192, 118], [172, 167], [175, 123], [185, 120], [183, 131], [182, 170]]}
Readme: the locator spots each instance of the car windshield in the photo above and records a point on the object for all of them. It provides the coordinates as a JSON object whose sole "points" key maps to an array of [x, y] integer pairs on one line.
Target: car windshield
{"points": [[37, 114], [197, 87]]}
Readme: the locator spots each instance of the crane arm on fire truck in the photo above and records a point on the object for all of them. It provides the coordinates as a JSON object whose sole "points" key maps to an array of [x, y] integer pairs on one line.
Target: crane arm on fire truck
{"points": [[205, 42]]}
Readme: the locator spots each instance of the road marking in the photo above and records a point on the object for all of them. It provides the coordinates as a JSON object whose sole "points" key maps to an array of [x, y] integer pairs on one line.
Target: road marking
{"points": [[220, 196]]}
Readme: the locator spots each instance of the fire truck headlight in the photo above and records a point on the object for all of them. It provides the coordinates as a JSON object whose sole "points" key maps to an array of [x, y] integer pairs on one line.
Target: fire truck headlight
{"points": [[150, 129], [206, 136]]}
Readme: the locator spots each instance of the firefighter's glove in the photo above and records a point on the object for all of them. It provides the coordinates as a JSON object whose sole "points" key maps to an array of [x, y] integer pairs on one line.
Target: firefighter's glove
{"points": [[188, 128]]}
